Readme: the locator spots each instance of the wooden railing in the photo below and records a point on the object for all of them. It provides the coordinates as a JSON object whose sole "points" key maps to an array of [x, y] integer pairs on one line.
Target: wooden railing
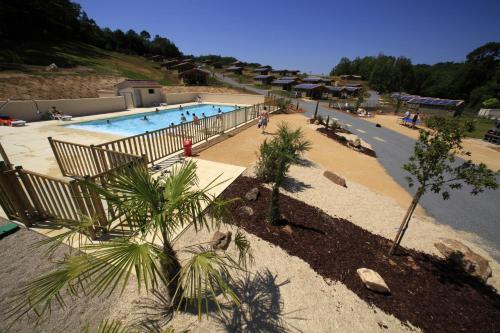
{"points": [[28, 196], [76, 160]]}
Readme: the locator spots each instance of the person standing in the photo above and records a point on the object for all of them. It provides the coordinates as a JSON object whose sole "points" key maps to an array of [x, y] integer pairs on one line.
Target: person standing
{"points": [[414, 120]]}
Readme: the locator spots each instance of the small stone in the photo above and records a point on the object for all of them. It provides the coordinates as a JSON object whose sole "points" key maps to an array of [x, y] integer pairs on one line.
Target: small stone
{"points": [[335, 178], [462, 255], [51, 68], [247, 210], [220, 240], [287, 229], [253, 194], [373, 281]]}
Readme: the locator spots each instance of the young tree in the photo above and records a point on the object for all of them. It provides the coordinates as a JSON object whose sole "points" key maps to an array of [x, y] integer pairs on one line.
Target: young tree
{"points": [[276, 157], [155, 210], [433, 167]]}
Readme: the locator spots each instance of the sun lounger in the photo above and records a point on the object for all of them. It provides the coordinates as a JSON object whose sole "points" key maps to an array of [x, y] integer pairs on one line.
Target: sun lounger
{"points": [[8, 229], [17, 123], [63, 117]]}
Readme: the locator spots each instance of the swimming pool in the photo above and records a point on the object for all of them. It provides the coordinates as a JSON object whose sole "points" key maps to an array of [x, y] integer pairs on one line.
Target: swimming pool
{"points": [[135, 123]]}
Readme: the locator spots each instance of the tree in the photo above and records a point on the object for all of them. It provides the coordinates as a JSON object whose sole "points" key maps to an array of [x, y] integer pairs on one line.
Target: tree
{"points": [[433, 167], [154, 209], [276, 157], [343, 67]]}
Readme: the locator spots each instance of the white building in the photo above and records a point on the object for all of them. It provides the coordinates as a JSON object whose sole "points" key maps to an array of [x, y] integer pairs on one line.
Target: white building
{"points": [[140, 93]]}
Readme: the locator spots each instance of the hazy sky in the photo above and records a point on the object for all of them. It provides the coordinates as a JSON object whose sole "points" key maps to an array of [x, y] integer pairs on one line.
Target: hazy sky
{"points": [[310, 35]]}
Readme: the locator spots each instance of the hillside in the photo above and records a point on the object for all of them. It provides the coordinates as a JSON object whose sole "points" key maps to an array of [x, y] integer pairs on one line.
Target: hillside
{"points": [[83, 71]]}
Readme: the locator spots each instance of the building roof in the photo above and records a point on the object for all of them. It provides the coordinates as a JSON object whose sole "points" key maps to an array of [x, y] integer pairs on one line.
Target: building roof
{"points": [[233, 68], [183, 64], [415, 99], [281, 82], [289, 78], [335, 88], [308, 86], [263, 77], [195, 71], [316, 79], [265, 69], [138, 84]]}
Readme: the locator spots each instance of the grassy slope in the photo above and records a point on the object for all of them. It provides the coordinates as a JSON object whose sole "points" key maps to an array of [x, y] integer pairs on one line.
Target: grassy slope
{"points": [[79, 54]]}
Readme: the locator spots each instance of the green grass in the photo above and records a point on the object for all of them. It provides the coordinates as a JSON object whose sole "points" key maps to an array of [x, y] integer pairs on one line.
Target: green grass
{"points": [[482, 125]]}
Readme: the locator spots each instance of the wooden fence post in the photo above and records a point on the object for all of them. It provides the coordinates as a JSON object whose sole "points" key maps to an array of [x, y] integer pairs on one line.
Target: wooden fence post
{"points": [[5, 158], [58, 158], [17, 196]]}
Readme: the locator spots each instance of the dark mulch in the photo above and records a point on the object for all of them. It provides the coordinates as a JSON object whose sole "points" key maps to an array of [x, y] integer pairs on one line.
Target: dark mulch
{"points": [[428, 292], [343, 140]]}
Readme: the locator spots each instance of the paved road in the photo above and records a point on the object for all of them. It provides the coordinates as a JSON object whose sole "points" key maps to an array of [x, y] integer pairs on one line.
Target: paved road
{"points": [[478, 214]]}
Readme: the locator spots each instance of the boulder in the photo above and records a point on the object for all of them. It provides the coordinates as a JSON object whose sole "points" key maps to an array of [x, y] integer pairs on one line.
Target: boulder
{"points": [[335, 178], [247, 210], [253, 194], [462, 255], [51, 68], [220, 240], [373, 281]]}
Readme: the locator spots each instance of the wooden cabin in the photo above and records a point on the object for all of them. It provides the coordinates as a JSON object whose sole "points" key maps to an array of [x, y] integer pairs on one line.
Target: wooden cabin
{"points": [[235, 70], [313, 91], [183, 66], [264, 79], [194, 77]]}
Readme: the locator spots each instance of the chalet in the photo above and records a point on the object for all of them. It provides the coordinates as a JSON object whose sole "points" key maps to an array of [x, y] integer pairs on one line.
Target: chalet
{"points": [[238, 63], [194, 77], [314, 91], [293, 72], [264, 79], [342, 91], [262, 70], [235, 70], [140, 93], [430, 105], [280, 72], [317, 80], [350, 77], [217, 65], [183, 66], [168, 64], [284, 84]]}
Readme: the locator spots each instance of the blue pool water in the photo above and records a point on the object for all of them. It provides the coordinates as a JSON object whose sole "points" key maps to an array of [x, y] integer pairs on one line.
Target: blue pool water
{"points": [[134, 124]]}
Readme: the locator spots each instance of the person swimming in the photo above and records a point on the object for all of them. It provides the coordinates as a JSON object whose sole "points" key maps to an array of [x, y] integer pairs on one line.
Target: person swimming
{"points": [[172, 124], [187, 112], [183, 118], [156, 110], [203, 115], [180, 107], [219, 110], [145, 118], [107, 121], [195, 119]]}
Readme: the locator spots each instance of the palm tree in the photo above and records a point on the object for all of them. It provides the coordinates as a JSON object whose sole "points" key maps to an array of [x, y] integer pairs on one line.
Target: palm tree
{"points": [[276, 157], [155, 210]]}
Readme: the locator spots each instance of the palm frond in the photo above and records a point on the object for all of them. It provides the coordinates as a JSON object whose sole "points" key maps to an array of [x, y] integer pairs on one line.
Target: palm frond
{"points": [[74, 236], [245, 256], [204, 275], [109, 326]]}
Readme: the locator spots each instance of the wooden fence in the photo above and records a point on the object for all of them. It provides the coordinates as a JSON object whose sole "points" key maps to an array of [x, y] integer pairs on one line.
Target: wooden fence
{"points": [[29, 197], [78, 160]]}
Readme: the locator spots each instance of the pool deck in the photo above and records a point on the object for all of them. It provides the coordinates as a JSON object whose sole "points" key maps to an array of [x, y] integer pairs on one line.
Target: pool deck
{"points": [[28, 146]]}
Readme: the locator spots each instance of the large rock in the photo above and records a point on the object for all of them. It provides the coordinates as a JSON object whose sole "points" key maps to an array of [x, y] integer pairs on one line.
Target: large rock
{"points": [[335, 178], [373, 281], [51, 68], [462, 255], [247, 210], [252, 195], [220, 240]]}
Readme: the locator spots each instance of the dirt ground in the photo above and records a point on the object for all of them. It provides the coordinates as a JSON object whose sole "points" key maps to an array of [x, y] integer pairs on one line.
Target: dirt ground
{"points": [[19, 86], [50, 86], [366, 170], [481, 151]]}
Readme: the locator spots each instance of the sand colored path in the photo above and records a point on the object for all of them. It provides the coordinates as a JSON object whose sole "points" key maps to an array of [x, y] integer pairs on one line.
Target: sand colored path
{"points": [[481, 152], [242, 150]]}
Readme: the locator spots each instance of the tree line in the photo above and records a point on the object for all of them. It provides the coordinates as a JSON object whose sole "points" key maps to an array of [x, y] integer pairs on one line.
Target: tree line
{"points": [[63, 20], [476, 80]]}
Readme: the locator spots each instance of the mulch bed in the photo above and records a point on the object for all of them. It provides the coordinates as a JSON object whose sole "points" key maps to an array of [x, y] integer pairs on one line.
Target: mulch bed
{"points": [[430, 293], [343, 141]]}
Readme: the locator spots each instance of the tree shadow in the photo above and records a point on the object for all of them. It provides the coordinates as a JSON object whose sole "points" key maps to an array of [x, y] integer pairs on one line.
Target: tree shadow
{"points": [[261, 307], [154, 313], [305, 163], [293, 185]]}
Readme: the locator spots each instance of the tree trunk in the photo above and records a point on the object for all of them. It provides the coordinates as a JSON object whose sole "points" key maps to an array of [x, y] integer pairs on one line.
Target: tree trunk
{"points": [[406, 220], [274, 208], [171, 269]]}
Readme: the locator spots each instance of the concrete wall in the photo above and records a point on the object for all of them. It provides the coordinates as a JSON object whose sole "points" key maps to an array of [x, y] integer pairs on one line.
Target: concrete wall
{"points": [[148, 99], [27, 110], [232, 98], [179, 98]]}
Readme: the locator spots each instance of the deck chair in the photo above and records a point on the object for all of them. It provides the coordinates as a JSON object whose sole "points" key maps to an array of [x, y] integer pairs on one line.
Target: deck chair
{"points": [[8, 229], [63, 117]]}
